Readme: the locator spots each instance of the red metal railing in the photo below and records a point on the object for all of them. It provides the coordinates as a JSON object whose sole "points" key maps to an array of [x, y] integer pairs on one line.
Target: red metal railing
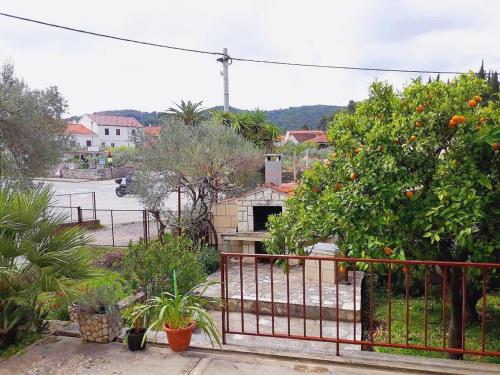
{"points": [[374, 268]]}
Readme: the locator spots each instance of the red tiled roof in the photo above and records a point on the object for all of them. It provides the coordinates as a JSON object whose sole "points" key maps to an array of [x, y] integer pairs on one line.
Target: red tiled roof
{"points": [[321, 138], [78, 129], [115, 120], [152, 131], [285, 188], [306, 135]]}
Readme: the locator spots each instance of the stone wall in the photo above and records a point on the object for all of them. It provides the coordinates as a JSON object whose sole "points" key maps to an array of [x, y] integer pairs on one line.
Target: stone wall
{"points": [[225, 221], [96, 174], [264, 197]]}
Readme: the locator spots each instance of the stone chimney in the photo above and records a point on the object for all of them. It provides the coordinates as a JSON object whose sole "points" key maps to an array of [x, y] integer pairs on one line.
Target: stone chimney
{"points": [[273, 169]]}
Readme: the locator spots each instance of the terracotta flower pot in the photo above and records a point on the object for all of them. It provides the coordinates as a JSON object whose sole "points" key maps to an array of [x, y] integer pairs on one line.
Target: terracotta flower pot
{"points": [[179, 339]]}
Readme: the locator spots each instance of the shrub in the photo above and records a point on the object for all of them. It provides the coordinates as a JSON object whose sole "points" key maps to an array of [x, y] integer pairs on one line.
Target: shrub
{"points": [[209, 257], [150, 267], [111, 261], [100, 300]]}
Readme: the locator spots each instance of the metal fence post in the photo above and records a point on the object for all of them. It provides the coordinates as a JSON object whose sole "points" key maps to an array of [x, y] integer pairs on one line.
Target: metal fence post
{"points": [[80, 216]]}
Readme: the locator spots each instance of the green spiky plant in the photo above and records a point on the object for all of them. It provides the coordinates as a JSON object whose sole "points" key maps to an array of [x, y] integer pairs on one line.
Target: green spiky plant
{"points": [[180, 310]]}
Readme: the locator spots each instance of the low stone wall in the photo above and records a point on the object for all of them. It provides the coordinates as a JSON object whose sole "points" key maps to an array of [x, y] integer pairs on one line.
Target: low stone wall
{"points": [[96, 174]]}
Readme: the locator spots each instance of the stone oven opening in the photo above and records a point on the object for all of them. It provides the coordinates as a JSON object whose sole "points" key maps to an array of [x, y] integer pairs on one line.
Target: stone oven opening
{"points": [[261, 214]]}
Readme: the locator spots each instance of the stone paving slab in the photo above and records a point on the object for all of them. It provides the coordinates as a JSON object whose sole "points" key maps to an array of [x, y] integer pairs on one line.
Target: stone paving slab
{"points": [[347, 292]]}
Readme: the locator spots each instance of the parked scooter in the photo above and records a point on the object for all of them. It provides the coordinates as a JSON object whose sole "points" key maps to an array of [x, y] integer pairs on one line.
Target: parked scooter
{"points": [[123, 189]]}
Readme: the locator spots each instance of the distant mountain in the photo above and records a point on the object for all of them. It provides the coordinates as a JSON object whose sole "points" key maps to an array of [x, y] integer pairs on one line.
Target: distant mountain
{"points": [[287, 118]]}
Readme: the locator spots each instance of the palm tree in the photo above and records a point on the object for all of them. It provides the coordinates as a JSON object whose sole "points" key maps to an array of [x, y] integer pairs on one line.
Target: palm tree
{"points": [[190, 113], [36, 255]]}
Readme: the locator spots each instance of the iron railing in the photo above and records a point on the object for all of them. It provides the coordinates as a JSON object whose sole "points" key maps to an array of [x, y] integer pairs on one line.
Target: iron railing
{"points": [[383, 269]]}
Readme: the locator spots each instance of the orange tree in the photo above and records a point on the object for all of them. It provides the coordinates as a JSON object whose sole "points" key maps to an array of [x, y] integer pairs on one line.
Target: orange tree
{"points": [[414, 175]]}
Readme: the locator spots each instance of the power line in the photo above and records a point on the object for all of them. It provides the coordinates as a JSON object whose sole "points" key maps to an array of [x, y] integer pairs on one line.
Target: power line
{"points": [[274, 62]]}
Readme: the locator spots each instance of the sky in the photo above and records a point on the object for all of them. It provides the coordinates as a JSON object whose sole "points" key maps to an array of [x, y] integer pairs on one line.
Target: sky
{"points": [[95, 74]]}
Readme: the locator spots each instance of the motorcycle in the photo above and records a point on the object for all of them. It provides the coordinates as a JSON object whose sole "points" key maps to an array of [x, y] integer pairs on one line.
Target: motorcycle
{"points": [[122, 189]]}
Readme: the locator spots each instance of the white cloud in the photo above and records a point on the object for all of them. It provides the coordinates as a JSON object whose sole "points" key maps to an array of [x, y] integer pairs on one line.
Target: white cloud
{"points": [[96, 74]]}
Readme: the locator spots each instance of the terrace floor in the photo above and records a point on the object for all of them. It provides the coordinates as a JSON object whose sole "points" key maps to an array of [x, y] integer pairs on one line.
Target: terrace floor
{"points": [[349, 295]]}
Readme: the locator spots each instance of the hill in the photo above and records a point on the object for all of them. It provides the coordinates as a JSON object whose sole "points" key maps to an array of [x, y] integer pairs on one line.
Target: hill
{"points": [[286, 118]]}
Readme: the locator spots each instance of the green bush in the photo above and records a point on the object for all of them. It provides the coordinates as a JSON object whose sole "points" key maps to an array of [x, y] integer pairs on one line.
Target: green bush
{"points": [[209, 257], [149, 267]]}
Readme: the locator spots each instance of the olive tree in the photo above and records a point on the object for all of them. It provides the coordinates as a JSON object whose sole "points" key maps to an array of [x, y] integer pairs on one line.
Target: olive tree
{"points": [[414, 174], [206, 161], [32, 136]]}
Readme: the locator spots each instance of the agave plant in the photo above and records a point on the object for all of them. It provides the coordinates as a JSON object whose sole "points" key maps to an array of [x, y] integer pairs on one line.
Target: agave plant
{"points": [[181, 310]]}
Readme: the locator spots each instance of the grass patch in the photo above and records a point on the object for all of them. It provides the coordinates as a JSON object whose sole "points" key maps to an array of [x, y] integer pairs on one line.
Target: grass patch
{"points": [[24, 339], [435, 329]]}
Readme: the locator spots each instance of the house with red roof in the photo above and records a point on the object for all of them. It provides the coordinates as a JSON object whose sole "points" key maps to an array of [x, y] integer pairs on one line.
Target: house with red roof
{"points": [[81, 136], [113, 131], [300, 136]]}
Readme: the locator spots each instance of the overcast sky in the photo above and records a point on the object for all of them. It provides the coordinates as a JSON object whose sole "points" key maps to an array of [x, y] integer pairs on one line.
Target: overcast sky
{"points": [[96, 74]]}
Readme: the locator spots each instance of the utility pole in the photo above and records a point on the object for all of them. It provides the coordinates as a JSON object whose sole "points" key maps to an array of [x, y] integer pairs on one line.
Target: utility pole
{"points": [[225, 76]]}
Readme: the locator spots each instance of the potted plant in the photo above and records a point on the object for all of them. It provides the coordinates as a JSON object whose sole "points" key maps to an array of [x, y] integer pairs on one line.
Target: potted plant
{"points": [[179, 314], [97, 314], [135, 336]]}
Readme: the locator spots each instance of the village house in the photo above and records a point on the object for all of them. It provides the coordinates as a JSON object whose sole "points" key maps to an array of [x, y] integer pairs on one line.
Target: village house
{"points": [[301, 136], [81, 136], [113, 131]]}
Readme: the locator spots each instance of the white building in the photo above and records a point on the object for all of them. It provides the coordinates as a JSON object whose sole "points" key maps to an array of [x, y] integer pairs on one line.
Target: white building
{"points": [[82, 137], [113, 131]]}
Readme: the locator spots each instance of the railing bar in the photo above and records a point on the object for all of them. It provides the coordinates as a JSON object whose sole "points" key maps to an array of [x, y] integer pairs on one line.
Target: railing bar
{"points": [[320, 302], [272, 295], [288, 293], [354, 296], [227, 290], [257, 294], [242, 308], [389, 292], [426, 304], [372, 302], [224, 301], [407, 295], [337, 349], [464, 303], [483, 318], [445, 280], [304, 297]]}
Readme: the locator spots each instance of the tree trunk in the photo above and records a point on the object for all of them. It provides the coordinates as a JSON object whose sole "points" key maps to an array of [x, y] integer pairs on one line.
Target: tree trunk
{"points": [[455, 319], [473, 296]]}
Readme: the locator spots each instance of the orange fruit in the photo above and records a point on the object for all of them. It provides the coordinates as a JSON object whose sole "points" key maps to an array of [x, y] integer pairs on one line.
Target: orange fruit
{"points": [[472, 103], [409, 194], [452, 124], [354, 175], [456, 118], [338, 186], [413, 138], [418, 123], [388, 251], [462, 119], [482, 120], [477, 98], [496, 146], [420, 108], [341, 269]]}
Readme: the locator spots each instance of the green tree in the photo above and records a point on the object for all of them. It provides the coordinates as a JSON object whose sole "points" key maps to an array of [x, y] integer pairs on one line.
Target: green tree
{"points": [[32, 136], [252, 126], [404, 176], [190, 113], [207, 162]]}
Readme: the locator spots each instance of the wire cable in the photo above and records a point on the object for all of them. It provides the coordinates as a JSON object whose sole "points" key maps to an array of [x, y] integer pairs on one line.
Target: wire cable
{"points": [[274, 62]]}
